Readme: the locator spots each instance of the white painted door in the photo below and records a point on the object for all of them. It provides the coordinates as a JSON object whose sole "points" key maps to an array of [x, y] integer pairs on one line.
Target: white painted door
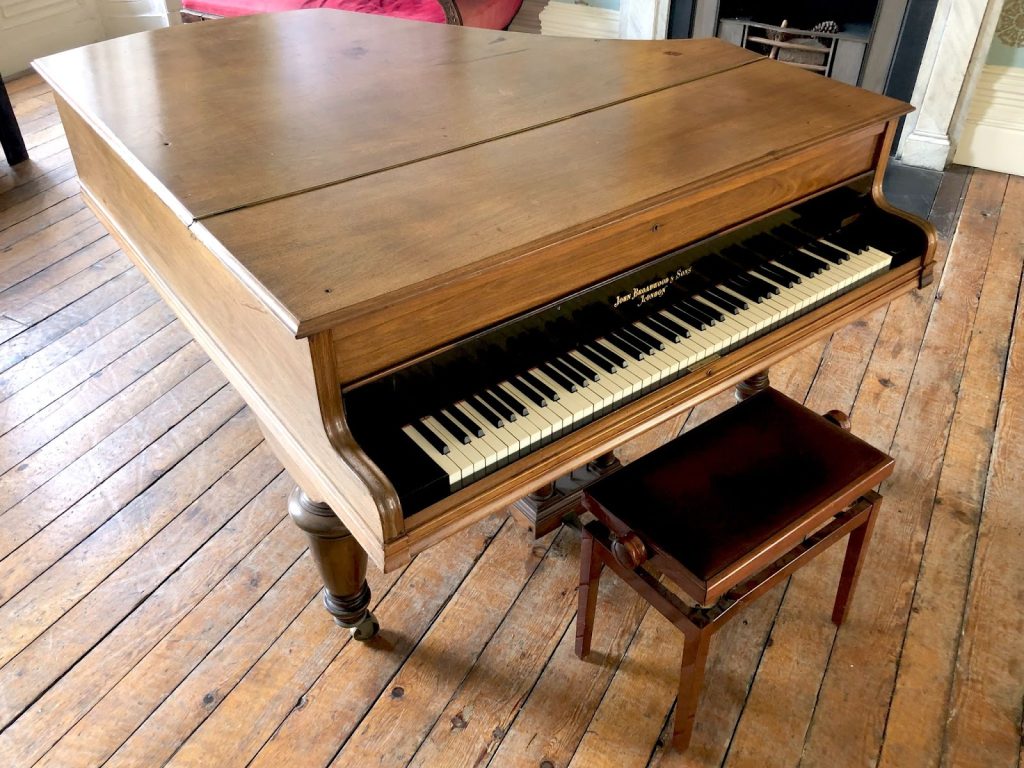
{"points": [[33, 28], [993, 135]]}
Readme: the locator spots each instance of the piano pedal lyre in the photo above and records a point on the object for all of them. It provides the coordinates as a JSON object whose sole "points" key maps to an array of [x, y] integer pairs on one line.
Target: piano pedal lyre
{"points": [[553, 504]]}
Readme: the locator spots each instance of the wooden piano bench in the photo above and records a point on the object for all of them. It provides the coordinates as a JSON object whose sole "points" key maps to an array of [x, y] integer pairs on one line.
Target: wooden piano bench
{"points": [[725, 512]]}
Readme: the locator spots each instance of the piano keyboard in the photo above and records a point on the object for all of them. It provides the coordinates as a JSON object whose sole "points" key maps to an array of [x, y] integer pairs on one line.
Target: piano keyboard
{"points": [[465, 439]]}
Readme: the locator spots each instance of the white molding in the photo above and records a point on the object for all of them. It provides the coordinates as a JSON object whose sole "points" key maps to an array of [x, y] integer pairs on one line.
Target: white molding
{"points": [[958, 43], [993, 135]]}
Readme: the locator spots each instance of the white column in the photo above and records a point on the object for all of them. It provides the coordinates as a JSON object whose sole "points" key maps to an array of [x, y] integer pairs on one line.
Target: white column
{"points": [[957, 44]]}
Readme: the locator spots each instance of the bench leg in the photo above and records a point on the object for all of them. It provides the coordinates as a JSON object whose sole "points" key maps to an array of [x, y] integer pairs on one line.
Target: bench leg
{"points": [[691, 680], [856, 549], [591, 566]]}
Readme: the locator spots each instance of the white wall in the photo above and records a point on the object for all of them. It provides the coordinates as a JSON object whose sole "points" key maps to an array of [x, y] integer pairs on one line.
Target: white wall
{"points": [[33, 28]]}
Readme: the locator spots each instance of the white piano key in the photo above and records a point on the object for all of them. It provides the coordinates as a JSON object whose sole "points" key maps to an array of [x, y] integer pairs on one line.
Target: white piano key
{"points": [[497, 449], [468, 458], [442, 460]]}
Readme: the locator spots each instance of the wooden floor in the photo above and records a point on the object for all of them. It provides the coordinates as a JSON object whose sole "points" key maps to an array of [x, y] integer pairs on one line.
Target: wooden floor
{"points": [[156, 607]]}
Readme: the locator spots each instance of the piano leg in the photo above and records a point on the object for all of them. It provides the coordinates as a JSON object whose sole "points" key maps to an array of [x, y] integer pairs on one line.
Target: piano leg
{"points": [[753, 385], [341, 562]]}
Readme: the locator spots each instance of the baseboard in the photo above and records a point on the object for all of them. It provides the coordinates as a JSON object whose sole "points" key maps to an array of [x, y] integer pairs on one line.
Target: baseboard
{"points": [[993, 135]]}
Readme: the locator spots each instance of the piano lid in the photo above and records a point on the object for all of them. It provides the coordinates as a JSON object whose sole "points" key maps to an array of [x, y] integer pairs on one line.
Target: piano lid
{"points": [[229, 113], [460, 221]]}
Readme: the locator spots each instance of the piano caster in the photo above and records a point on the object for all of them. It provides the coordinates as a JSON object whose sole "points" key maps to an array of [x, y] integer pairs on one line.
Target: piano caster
{"points": [[751, 386], [341, 562]]}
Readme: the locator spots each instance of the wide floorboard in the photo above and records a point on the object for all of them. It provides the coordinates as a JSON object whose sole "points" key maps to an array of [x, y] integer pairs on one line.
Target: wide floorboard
{"points": [[158, 608]]}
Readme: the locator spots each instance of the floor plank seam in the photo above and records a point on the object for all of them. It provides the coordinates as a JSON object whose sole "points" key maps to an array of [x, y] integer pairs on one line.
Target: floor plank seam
{"points": [[105, 261], [39, 212], [483, 647], [127, 460], [85, 655], [5, 376], [36, 425], [315, 598], [90, 375], [172, 628], [153, 480], [398, 669], [929, 326], [115, 569], [54, 264], [80, 352], [526, 697], [1013, 339], [757, 668], [101, 289]]}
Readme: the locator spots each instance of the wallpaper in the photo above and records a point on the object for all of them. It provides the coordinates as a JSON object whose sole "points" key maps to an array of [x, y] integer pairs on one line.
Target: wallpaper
{"points": [[1008, 44]]}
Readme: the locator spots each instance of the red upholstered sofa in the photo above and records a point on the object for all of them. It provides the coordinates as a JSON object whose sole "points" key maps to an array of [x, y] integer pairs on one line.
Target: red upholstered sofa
{"points": [[488, 14]]}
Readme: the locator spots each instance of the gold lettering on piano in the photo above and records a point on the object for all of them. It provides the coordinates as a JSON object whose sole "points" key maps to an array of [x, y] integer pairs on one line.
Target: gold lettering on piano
{"points": [[644, 293]]}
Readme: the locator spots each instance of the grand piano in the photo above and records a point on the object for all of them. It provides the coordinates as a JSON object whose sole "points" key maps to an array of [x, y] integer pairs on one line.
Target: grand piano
{"points": [[450, 270]]}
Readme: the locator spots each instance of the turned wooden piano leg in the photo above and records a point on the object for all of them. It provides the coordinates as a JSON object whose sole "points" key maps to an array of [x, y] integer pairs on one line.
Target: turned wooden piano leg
{"points": [[341, 562], [753, 385]]}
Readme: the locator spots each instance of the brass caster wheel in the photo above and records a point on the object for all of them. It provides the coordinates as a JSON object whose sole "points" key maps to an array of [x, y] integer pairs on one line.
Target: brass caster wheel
{"points": [[366, 629]]}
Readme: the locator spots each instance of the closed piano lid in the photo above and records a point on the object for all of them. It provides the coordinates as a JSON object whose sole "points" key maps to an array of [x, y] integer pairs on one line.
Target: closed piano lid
{"points": [[234, 112], [447, 230]]}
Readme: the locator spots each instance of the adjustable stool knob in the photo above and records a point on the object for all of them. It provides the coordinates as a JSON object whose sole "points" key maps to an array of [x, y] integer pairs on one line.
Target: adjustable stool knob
{"points": [[629, 551]]}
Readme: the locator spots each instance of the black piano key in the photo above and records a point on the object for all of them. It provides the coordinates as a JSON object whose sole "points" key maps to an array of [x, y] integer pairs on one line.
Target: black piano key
{"points": [[467, 423], [653, 343], [767, 289], [726, 301], [457, 432], [623, 342], [672, 324], [700, 310], [486, 411], [798, 262], [597, 358], [498, 406], [827, 252], [660, 324], [528, 392], [582, 368], [684, 313], [512, 402], [539, 385], [569, 372], [767, 246], [846, 239], [431, 437], [779, 275], [793, 236], [610, 353], [555, 374], [744, 289]]}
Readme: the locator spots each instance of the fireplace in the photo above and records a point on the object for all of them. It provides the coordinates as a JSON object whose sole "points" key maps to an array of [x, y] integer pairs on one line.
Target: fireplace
{"points": [[877, 44]]}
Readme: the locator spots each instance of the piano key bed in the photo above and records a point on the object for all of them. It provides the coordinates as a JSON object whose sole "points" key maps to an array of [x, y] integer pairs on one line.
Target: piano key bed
{"points": [[442, 423]]}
